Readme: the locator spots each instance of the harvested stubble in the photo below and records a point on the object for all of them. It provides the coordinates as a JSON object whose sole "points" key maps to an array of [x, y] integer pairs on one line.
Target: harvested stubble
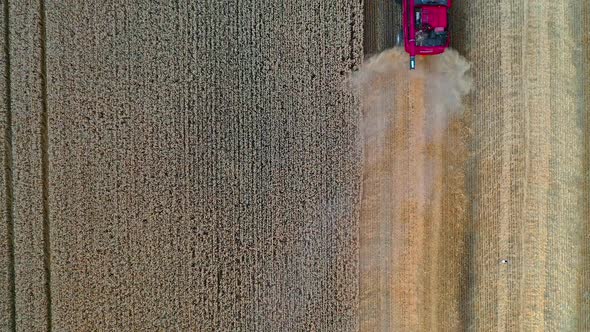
{"points": [[527, 226], [414, 207]]}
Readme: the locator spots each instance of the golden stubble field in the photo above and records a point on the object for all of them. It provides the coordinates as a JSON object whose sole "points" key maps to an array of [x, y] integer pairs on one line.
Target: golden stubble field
{"points": [[513, 253]]}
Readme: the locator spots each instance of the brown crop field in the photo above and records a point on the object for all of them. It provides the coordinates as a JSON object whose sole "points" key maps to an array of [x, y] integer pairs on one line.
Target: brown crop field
{"points": [[274, 166]]}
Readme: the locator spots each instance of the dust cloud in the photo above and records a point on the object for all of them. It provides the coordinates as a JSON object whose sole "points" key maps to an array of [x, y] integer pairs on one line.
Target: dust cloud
{"points": [[405, 128], [446, 79]]}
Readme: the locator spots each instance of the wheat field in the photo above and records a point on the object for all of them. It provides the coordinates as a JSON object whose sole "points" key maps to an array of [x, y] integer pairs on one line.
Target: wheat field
{"points": [[211, 166]]}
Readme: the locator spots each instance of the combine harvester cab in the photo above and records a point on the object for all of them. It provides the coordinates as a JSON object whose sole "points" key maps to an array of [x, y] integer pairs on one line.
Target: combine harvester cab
{"points": [[425, 28]]}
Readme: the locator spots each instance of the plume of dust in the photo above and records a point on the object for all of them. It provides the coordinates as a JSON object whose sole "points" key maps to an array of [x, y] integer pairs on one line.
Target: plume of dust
{"points": [[447, 81], [402, 175], [440, 83]]}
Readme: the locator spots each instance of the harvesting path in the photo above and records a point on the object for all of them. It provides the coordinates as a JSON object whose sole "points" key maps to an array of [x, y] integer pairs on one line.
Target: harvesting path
{"points": [[413, 181]]}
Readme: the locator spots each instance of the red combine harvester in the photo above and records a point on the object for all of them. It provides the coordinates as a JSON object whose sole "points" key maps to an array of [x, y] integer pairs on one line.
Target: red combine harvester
{"points": [[425, 27]]}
